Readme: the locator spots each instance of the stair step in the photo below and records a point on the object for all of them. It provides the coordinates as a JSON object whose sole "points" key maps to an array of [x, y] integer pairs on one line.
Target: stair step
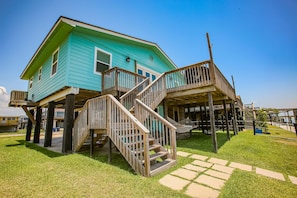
{"points": [[162, 166], [158, 155], [151, 147]]}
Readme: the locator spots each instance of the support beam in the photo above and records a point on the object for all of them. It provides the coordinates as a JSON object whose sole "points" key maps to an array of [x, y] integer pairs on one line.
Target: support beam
{"points": [[226, 119], [49, 124], [29, 126], [29, 114], [212, 123], [68, 123], [37, 125]]}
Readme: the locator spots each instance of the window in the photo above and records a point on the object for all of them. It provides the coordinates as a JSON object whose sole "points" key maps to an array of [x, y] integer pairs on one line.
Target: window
{"points": [[147, 74], [139, 71], [55, 58], [39, 73], [102, 61], [153, 77], [144, 71], [31, 82]]}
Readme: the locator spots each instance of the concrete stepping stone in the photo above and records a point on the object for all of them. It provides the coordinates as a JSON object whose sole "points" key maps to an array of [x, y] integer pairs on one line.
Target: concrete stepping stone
{"points": [[218, 161], [224, 169], [241, 166], [293, 179], [271, 174], [220, 175], [183, 154], [198, 157], [173, 182], [194, 168], [202, 164], [210, 181], [199, 191], [184, 173]]}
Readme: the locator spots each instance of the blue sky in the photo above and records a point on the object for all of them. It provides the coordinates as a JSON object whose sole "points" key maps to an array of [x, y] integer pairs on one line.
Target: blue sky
{"points": [[255, 40]]}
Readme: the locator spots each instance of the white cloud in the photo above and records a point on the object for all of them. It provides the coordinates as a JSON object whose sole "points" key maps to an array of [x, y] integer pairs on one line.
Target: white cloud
{"points": [[8, 111]]}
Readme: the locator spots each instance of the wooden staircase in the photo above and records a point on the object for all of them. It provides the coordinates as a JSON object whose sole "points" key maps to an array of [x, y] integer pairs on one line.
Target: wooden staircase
{"points": [[149, 152]]}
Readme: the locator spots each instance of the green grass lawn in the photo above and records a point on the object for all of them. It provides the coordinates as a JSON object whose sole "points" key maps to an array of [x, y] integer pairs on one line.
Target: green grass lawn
{"points": [[27, 170]]}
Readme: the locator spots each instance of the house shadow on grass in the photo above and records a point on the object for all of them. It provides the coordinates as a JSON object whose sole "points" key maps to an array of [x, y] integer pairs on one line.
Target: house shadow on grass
{"points": [[38, 148], [203, 142], [101, 155]]}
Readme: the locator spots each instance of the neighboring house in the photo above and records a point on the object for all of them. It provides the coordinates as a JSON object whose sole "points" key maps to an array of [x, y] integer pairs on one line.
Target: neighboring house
{"points": [[9, 123], [119, 86]]}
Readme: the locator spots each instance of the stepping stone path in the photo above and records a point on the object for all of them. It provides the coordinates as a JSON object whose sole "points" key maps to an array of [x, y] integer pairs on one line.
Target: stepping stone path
{"points": [[205, 176]]}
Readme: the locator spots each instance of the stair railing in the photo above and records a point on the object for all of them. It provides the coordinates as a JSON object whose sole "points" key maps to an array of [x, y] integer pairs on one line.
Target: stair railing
{"points": [[128, 98], [126, 132], [153, 94], [160, 129], [80, 128]]}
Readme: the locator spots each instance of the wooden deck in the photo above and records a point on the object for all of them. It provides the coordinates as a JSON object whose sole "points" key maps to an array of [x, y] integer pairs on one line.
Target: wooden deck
{"points": [[192, 84]]}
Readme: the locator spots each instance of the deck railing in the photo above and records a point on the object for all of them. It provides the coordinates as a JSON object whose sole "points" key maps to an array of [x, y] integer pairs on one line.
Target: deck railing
{"points": [[128, 98], [117, 79], [160, 129], [223, 84], [126, 132], [193, 76], [18, 96]]}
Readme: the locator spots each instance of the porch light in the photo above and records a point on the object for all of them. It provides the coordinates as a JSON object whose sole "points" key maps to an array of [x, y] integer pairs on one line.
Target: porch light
{"points": [[128, 59]]}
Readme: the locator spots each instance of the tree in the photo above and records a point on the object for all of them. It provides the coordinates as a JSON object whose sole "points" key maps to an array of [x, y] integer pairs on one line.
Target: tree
{"points": [[262, 118]]}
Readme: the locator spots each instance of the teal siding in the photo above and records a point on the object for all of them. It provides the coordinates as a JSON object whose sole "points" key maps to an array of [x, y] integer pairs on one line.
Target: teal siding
{"points": [[81, 60], [76, 62], [48, 85]]}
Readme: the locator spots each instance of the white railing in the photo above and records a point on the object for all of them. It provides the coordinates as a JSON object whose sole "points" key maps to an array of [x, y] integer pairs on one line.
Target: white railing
{"points": [[159, 128]]}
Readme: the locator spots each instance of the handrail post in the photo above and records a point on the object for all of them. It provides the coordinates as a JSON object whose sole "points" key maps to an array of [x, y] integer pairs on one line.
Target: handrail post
{"points": [[211, 65], [146, 155]]}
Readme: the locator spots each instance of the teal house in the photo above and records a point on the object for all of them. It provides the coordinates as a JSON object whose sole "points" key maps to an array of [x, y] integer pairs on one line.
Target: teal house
{"points": [[115, 88]]}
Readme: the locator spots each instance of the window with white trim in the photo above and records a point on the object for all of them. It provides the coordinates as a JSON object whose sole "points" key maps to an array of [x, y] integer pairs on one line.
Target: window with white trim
{"points": [[102, 61], [31, 82], [55, 58], [39, 73]]}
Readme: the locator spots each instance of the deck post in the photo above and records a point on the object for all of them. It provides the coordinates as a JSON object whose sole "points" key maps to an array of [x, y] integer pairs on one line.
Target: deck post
{"points": [[109, 150], [37, 125], [92, 142], [49, 124], [29, 127], [68, 123], [212, 122], [226, 119], [201, 117], [234, 118]]}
